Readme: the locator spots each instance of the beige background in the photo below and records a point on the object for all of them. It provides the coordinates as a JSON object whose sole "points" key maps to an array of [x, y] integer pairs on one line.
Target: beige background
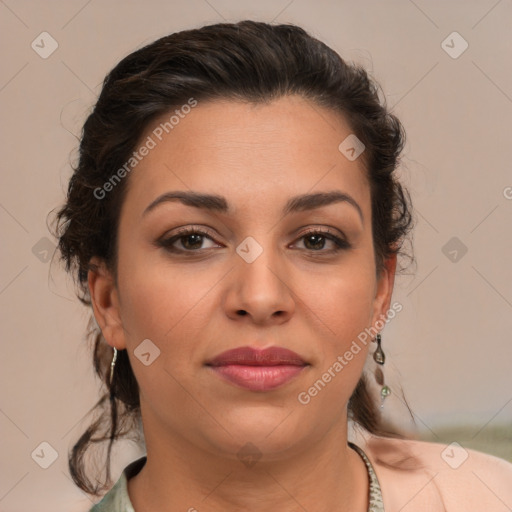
{"points": [[451, 346]]}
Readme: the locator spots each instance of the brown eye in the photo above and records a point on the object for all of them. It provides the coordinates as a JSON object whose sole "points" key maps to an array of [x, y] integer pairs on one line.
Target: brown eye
{"points": [[186, 240], [192, 241], [316, 240]]}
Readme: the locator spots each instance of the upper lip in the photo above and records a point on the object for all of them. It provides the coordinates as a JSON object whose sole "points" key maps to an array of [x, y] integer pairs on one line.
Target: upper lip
{"points": [[250, 356]]}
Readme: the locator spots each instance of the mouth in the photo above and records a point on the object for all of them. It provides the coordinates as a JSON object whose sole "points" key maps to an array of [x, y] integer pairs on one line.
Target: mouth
{"points": [[256, 369]]}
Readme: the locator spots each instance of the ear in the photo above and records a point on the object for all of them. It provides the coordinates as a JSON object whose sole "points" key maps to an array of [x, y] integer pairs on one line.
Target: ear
{"points": [[384, 290], [105, 303]]}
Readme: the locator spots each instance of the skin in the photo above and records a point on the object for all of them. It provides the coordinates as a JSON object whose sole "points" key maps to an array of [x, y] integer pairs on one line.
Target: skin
{"points": [[296, 295]]}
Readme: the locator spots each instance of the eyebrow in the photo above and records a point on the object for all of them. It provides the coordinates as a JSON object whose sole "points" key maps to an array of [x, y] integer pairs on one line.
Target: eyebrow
{"points": [[219, 204]]}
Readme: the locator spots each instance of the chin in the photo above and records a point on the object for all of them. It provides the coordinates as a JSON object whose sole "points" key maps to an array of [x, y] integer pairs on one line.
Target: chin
{"points": [[271, 431]]}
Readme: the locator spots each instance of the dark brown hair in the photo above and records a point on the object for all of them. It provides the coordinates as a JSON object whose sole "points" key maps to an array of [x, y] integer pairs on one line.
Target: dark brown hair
{"points": [[246, 61]]}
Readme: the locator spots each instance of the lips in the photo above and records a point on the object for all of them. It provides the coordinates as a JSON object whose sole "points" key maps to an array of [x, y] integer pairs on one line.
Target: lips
{"points": [[256, 369], [271, 356]]}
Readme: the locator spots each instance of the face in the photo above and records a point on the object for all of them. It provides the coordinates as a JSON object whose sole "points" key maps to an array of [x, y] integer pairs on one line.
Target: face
{"points": [[256, 271]]}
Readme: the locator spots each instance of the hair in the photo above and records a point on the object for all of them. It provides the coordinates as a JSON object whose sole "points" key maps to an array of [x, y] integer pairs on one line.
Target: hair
{"points": [[246, 61]]}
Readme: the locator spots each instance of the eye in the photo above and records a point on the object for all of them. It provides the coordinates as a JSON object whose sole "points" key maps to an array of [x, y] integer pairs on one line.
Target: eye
{"points": [[315, 240], [190, 239]]}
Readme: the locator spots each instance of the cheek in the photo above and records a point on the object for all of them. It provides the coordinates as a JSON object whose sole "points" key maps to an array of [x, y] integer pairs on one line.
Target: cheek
{"points": [[164, 303], [165, 306], [342, 301], [344, 306]]}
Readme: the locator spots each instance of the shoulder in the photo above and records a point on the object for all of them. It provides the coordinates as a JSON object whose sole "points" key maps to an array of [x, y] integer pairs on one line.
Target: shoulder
{"points": [[117, 499], [419, 475]]}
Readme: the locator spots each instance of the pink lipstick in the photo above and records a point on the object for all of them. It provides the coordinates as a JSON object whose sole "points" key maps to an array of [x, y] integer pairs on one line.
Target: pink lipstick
{"points": [[256, 369]]}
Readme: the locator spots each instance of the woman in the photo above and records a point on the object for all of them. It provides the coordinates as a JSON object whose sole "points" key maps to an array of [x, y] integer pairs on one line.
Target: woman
{"points": [[234, 221]]}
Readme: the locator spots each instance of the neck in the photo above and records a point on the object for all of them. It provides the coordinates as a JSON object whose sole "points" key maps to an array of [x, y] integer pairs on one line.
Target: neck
{"points": [[326, 476]]}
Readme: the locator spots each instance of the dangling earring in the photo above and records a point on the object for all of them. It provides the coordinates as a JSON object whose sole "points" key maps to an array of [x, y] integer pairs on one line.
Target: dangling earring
{"points": [[112, 366], [380, 359]]}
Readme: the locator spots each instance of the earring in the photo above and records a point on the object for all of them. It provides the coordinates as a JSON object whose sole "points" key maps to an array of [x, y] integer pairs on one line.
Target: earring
{"points": [[112, 366], [380, 359]]}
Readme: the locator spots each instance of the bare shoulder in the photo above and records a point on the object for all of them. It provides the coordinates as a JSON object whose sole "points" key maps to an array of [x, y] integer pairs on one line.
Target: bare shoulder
{"points": [[419, 475]]}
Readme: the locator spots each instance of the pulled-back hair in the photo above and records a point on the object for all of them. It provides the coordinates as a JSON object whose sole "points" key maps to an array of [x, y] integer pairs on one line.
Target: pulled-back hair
{"points": [[246, 61]]}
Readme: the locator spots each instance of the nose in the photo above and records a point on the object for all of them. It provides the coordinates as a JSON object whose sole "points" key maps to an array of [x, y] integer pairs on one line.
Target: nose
{"points": [[260, 290]]}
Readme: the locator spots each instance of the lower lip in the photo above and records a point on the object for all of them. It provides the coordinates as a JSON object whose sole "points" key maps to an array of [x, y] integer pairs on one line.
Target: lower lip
{"points": [[258, 378]]}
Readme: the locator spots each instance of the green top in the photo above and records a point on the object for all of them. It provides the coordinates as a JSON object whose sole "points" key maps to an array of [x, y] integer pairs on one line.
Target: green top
{"points": [[117, 499]]}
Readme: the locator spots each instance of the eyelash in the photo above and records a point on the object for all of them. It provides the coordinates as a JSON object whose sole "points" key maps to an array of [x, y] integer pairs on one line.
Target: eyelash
{"points": [[167, 243]]}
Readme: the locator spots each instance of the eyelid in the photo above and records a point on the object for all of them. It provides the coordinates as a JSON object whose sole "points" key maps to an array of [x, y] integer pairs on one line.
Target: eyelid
{"points": [[193, 229], [322, 230], [184, 230]]}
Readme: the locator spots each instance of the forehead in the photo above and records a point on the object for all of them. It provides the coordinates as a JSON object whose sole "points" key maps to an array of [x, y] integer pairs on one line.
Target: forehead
{"points": [[243, 150]]}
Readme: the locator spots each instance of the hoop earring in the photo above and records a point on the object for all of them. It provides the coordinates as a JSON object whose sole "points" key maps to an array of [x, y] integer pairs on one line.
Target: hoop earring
{"points": [[380, 359], [112, 366]]}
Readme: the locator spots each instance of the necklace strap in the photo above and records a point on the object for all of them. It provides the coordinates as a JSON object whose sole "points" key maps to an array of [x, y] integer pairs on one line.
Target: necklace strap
{"points": [[376, 503]]}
